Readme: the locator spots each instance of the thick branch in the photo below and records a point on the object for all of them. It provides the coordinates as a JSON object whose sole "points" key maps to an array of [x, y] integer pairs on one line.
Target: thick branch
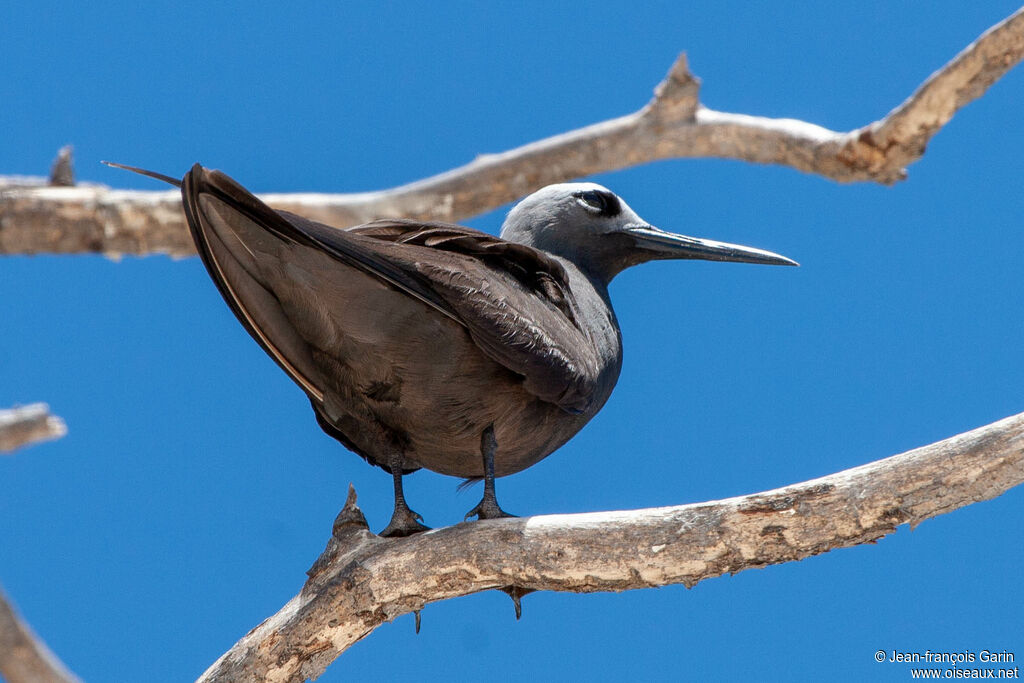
{"points": [[24, 658], [362, 580], [672, 125], [28, 424]]}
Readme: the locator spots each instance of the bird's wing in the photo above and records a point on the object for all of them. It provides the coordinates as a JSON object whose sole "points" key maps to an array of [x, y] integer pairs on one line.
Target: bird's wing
{"points": [[513, 300], [213, 206], [230, 227]]}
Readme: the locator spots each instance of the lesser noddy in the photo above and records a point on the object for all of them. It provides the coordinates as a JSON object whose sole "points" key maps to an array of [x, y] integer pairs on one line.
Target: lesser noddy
{"points": [[433, 345]]}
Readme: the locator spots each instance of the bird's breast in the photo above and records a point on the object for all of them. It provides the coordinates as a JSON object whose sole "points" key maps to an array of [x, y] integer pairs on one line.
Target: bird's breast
{"points": [[397, 374]]}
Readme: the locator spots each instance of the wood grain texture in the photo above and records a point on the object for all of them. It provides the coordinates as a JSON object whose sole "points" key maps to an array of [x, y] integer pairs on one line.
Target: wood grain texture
{"points": [[362, 580]]}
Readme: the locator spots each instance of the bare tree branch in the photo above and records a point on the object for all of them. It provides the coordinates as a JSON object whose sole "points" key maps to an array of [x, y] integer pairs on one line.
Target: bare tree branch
{"points": [[24, 658], [362, 580], [93, 218], [883, 149], [28, 424]]}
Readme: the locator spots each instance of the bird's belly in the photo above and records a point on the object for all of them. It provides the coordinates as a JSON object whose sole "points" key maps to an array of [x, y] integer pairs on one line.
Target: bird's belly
{"points": [[526, 431], [414, 380]]}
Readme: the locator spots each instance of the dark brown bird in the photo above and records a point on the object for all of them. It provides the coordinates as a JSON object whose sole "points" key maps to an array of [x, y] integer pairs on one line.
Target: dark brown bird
{"points": [[435, 345]]}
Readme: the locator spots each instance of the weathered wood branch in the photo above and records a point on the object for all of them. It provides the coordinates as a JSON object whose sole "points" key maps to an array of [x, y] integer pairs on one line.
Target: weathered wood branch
{"points": [[672, 125], [362, 580], [24, 658], [24, 425]]}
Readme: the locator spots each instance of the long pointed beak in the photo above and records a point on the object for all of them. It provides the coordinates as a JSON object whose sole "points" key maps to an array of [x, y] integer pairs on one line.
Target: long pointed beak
{"points": [[668, 245]]}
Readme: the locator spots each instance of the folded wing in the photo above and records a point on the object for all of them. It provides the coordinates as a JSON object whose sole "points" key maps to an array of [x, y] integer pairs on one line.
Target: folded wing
{"points": [[514, 301]]}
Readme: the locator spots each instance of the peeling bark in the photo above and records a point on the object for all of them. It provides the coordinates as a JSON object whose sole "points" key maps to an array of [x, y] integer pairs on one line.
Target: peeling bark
{"points": [[673, 125], [361, 580]]}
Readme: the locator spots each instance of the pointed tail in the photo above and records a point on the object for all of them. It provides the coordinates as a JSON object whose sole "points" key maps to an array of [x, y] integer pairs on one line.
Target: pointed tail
{"points": [[142, 171]]}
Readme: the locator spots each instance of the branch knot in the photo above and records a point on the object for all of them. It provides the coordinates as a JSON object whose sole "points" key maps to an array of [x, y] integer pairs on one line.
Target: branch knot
{"points": [[675, 98]]}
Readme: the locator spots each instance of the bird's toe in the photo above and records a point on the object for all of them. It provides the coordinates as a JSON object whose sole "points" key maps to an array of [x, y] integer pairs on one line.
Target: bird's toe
{"points": [[487, 509], [403, 523]]}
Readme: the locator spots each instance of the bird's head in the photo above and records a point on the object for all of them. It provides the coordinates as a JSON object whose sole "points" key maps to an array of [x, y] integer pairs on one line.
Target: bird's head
{"points": [[596, 230]]}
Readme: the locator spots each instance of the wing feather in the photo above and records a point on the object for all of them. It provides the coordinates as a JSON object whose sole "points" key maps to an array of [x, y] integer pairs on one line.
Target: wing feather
{"points": [[514, 301]]}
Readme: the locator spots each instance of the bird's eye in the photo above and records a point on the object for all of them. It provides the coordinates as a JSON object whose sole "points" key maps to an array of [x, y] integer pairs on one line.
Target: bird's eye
{"points": [[593, 201], [601, 202]]}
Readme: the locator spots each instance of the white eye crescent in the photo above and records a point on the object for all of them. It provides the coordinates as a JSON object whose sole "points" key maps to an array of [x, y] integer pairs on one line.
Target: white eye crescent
{"points": [[593, 201]]}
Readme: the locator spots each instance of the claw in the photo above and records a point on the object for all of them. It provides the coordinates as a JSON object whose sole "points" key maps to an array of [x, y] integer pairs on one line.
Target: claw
{"points": [[487, 509], [403, 520], [403, 523]]}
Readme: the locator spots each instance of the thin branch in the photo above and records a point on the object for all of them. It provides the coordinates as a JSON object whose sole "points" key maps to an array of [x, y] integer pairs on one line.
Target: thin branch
{"points": [[672, 125], [362, 580], [24, 658], [24, 425]]}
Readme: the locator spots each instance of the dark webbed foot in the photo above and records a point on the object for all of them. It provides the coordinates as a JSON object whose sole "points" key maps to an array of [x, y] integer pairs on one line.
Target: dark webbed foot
{"points": [[488, 507], [403, 523], [403, 520]]}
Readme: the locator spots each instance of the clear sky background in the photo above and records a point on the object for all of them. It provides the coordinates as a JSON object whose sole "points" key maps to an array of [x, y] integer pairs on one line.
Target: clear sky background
{"points": [[194, 488]]}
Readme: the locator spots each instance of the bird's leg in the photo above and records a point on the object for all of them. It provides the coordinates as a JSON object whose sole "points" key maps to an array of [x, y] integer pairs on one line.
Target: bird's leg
{"points": [[403, 520], [488, 507]]}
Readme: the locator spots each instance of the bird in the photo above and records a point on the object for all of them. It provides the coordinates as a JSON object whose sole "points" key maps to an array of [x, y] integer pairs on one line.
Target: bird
{"points": [[423, 344]]}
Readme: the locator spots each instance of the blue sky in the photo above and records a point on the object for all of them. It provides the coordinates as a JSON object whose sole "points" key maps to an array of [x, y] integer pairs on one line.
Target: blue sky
{"points": [[194, 488]]}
